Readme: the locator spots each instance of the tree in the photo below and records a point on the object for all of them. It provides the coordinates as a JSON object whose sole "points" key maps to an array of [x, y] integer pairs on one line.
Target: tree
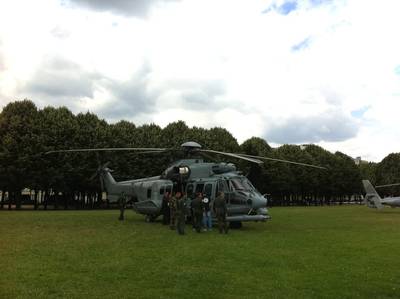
{"points": [[18, 144]]}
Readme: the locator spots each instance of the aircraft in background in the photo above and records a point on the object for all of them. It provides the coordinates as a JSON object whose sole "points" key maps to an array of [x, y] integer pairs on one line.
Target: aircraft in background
{"points": [[373, 200]]}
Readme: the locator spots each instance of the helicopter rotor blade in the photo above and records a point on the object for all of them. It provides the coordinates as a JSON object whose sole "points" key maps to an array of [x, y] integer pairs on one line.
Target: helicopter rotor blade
{"points": [[284, 161], [388, 185], [250, 159], [150, 149]]}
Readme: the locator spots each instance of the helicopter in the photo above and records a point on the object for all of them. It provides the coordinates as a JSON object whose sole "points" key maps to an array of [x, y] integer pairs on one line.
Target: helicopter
{"points": [[191, 175], [373, 200]]}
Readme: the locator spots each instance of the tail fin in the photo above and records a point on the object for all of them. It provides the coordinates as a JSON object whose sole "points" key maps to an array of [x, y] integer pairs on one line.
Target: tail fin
{"points": [[107, 179], [372, 198]]}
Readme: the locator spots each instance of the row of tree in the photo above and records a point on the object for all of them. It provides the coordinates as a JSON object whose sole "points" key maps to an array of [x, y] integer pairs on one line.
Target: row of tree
{"points": [[26, 132]]}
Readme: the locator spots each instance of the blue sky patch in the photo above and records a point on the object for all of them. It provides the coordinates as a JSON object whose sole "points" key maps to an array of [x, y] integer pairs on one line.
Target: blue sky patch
{"points": [[359, 113], [319, 2], [287, 7], [301, 45], [284, 9]]}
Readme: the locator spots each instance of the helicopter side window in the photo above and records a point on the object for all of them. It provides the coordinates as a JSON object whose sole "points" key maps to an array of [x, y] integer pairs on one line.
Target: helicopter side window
{"points": [[162, 190], [149, 193], [199, 188]]}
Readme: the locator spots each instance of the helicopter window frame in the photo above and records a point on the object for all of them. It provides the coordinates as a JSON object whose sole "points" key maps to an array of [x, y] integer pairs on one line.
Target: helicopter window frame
{"points": [[223, 186], [208, 193]]}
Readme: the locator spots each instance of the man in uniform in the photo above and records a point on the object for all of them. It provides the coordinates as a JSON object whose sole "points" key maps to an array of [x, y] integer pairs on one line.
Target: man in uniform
{"points": [[122, 205], [172, 212], [165, 209], [180, 212], [197, 208], [221, 211]]}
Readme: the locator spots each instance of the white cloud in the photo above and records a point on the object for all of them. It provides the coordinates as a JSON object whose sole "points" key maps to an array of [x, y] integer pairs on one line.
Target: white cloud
{"points": [[223, 63]]}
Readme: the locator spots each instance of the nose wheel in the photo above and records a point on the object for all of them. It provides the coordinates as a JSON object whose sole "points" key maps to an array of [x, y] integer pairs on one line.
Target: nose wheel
{"points": [[150, 218]]}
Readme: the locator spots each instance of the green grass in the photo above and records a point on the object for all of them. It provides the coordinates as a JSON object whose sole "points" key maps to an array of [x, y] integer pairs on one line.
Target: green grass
{"points": [[329, 252]]}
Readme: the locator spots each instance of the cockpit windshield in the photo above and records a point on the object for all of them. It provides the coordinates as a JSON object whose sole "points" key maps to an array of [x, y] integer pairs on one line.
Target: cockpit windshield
{"points": [[241, 184]]}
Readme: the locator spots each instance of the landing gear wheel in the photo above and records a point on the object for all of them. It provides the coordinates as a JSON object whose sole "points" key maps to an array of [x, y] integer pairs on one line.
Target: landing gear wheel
{"points": [[150, 218], [235, 224]]}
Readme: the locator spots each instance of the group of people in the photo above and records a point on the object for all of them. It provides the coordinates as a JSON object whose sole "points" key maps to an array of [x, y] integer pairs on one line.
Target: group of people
{"points": [[174, 209]]}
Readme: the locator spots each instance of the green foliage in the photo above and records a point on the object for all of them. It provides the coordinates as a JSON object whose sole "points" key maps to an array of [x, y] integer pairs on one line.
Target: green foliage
{"points": [[368, 171], [19, 134], [26, 132], [388, 172]]}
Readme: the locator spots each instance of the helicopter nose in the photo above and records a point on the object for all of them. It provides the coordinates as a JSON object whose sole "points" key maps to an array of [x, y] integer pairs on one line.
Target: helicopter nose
{"points": [[258, 202]]}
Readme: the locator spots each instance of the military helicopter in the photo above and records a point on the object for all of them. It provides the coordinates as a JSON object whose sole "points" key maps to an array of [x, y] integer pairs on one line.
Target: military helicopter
{"points": [[191, 176], [373, 200]]}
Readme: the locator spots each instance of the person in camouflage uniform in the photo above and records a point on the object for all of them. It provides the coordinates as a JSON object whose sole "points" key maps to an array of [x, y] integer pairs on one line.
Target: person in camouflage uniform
{"points": [[180, 212], [221, 211], [172, 214], [122, 205], [197, 208]]}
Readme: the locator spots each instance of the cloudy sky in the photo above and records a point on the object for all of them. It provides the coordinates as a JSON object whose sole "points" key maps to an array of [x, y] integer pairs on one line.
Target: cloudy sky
{"points": [[305, 71]]}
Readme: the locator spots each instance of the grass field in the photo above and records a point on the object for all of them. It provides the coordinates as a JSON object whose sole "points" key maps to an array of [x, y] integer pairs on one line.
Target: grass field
{"points": [[328, 252]]}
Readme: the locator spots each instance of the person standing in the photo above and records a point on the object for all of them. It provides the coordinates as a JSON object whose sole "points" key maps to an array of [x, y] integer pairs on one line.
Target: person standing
{"points": [[122, 205], [221, 211], [207, 221], [165, 208], [197, 209], [172, 212], [180, 212]]}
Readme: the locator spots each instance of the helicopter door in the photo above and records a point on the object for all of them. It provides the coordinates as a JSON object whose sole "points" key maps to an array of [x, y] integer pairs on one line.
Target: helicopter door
{"points": [[208, 191], [223, 187]]}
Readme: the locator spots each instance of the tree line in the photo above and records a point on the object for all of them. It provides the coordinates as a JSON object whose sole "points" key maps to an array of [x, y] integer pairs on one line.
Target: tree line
{"points": [[68, 180]]}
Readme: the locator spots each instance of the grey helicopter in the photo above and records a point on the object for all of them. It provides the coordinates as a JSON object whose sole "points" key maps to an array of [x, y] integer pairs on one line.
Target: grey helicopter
{"points": [[190, 176], [373, 200]]}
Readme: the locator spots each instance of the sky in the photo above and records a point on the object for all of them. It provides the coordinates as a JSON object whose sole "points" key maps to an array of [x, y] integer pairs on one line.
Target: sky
{"points": [[308, 71]]}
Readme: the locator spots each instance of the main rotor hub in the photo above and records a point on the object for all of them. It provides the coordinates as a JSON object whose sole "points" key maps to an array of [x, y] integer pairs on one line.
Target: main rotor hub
{"points": [[190, 145]]}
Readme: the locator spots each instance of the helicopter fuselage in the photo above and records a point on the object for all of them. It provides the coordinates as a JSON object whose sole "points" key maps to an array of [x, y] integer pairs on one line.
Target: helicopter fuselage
{"points": [[191, 176]]}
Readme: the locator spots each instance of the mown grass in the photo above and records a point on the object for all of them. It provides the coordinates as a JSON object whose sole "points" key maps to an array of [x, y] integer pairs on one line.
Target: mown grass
{"points": [[314, 252]]}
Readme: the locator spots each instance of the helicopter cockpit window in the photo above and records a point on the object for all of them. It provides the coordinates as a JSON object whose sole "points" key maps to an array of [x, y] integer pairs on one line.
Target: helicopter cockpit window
{"points": [[241, 184], [162, 190], [149, 193]]}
